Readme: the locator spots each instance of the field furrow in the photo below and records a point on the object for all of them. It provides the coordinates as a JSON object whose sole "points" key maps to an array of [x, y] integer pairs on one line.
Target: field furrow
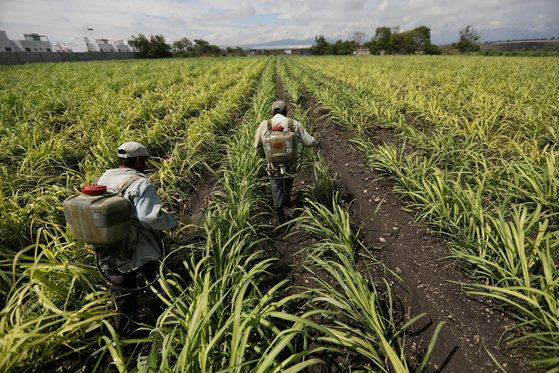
{"points": [[495, 212], [423, 235]]}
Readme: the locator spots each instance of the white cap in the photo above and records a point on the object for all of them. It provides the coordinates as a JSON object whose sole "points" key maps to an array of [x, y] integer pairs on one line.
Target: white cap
{"points": [[132, 149], [279, 105]]}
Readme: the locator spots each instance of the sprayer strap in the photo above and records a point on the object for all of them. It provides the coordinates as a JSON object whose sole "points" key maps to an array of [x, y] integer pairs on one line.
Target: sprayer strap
{"points": [[290, 125], [122, 188], [269, 125]]}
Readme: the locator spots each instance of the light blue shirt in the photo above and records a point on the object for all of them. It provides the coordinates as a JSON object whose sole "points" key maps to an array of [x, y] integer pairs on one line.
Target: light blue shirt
{"points": [[148, 218]]}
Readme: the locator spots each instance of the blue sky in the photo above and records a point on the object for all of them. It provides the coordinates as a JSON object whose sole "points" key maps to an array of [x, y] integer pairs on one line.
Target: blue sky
{"points": [[239, 22]]}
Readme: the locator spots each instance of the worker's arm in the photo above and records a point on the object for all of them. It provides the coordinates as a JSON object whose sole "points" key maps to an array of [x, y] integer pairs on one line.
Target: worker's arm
{"points": [[258, 146], [304, 136], [149, 209]]}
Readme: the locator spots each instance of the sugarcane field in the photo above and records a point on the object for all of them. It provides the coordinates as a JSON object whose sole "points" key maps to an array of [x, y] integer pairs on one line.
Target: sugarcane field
{"points": [[414, 228]]}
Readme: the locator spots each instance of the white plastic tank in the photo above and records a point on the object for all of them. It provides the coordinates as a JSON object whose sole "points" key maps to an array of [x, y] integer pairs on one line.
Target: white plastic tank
{"points": [[98, 217]]}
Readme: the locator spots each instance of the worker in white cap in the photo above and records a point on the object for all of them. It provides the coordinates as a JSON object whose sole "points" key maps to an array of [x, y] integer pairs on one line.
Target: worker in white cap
{"points": [[143, 248], [281, 180]]}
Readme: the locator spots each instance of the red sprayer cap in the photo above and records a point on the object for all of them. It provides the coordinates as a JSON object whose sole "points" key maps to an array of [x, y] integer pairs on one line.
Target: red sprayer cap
{"points": [[94, 190]]}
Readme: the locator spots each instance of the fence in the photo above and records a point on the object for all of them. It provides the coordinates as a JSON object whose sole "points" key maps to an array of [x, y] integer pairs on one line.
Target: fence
{"points": [[18, 58]]}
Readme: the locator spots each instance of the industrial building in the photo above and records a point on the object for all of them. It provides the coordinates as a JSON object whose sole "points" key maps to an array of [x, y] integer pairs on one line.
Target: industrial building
{"points": [[81, 44], [288, 49], [35, 43], [7, 45], [123, 46], [38, 48], [105, 45], [362, 52], [40, 43], [31, 43]]}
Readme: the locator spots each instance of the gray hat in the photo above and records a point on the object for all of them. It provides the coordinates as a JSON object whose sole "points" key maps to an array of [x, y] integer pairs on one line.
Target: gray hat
{"points": [[278, 105], [132, 149]]}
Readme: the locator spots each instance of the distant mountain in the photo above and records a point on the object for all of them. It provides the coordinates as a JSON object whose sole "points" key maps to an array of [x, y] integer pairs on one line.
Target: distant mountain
{"points": [[279, 43]]}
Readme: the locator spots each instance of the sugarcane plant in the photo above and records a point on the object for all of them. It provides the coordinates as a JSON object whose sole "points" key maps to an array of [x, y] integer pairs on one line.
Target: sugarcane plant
{"points": [[479, 169]]}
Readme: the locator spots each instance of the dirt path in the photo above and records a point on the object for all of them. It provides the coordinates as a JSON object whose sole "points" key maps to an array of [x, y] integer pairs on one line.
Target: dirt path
{"points": [[418, 257], [286, 244], [290, 246], [472, 326]]}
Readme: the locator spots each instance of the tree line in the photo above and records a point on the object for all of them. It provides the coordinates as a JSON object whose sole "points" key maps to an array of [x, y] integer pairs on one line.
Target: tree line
{"points": [[155, 46], [387, 40]]}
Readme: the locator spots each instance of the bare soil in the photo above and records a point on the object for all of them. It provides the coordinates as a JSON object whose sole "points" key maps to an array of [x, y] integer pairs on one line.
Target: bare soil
{"points": [[419, 258], [428, 280]]}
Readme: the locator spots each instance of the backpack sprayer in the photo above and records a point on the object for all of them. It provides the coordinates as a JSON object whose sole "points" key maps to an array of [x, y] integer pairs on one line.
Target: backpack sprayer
{"points": [[280, 148], [103, 221]]}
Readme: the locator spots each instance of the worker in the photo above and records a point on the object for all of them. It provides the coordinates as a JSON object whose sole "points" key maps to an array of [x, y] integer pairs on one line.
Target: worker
{"points": [[273, 134], [141, 252]]}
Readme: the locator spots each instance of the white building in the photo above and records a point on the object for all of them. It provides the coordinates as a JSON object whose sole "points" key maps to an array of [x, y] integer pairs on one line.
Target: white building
{"points": [[35, 43], [362, 52], [105, 45], [123, 46], [40, 43], [289, 49], [81, 44], [84, 44], [60, 47], [7, 45]]}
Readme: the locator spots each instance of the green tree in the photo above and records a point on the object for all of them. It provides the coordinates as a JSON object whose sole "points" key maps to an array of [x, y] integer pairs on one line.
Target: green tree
{"points": [[343, 47], [141, 43], [182, 46], [392, 40], [152, 47], [159, 48], [432, 49], [403, 43], [422, 37], [469, 38], [237, 52], [202, 47], [320, 46], [422, 40], [381, 40]]}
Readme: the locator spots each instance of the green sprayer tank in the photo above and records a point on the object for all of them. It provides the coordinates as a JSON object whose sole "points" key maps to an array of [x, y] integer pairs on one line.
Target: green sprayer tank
{"points": [[97, 217]]}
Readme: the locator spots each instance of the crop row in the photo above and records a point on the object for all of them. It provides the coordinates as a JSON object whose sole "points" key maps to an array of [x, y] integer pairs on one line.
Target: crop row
{"points": [[53, 306], [475, 159], [491, 192], [358, 314], [507, 105], [222, 309], [58, 136]]}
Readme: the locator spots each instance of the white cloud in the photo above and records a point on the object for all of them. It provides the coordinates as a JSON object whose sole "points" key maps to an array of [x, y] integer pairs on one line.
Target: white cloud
{"points": [[383, 5], [234, 22]]}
